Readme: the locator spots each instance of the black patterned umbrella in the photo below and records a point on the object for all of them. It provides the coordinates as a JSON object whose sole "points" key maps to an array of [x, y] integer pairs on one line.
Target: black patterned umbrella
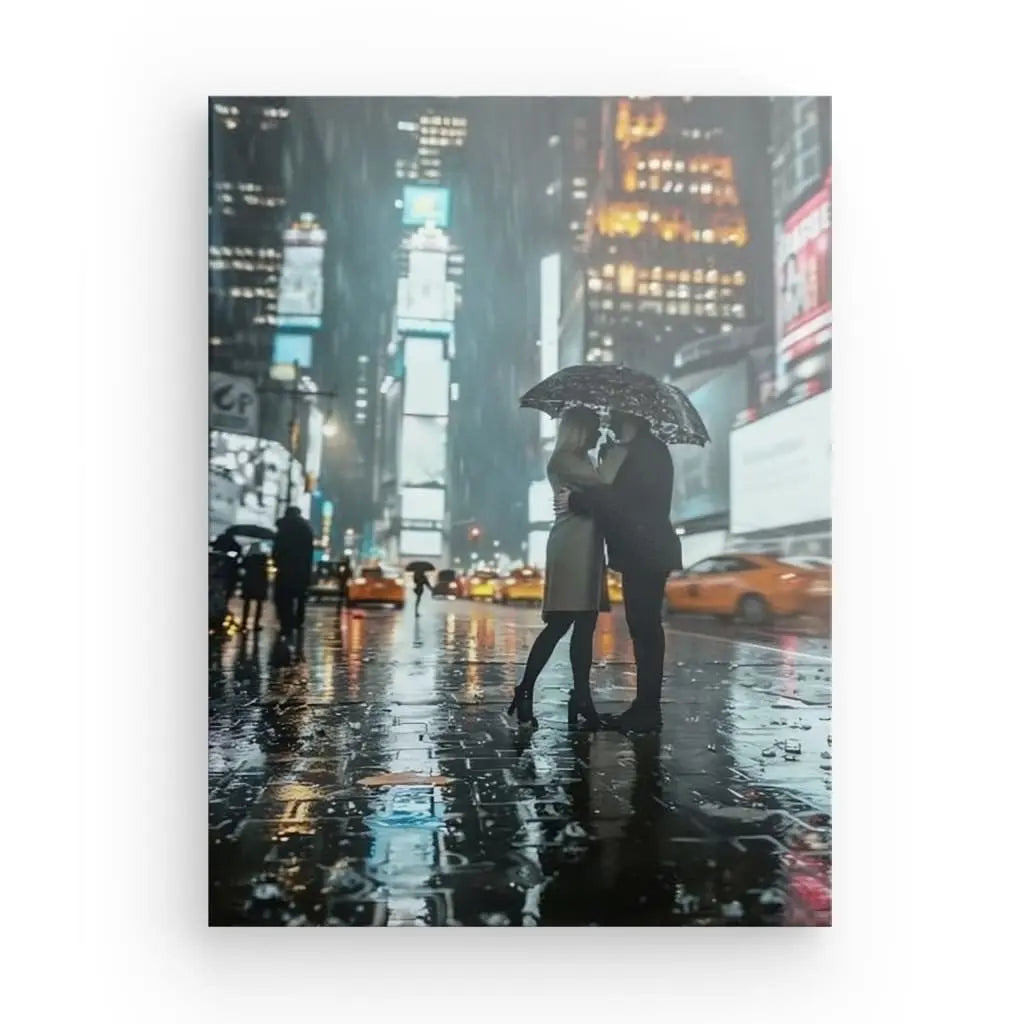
{"points": [[606, 388]]}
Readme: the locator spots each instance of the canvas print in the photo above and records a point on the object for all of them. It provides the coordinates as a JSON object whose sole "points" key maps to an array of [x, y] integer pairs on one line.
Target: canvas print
{"points": [[520, 522]]}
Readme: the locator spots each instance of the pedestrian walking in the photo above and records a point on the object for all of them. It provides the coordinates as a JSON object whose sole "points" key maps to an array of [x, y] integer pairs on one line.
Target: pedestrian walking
{"points": [[227, 545], [419, 582], [293, 559], [633, 512], [344, 578], [255, 584], [575, 588]]}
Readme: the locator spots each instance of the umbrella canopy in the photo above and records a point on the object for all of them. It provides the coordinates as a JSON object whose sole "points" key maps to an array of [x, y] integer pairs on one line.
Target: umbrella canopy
{"points": [[253, 530], [420, 567], [602, 387]]}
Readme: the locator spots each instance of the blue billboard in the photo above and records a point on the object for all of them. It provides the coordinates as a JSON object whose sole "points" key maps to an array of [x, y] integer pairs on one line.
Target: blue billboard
{"points": [[292, 348], [426, 204]]}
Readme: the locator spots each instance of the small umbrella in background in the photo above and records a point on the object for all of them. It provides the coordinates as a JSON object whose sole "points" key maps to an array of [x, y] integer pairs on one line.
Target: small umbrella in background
{"points": [[601, 387], [420, 567]]}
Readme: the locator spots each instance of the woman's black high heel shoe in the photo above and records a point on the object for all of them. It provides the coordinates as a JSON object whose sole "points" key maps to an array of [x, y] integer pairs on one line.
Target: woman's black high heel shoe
{"points": [[583, 707], [522, 707]]}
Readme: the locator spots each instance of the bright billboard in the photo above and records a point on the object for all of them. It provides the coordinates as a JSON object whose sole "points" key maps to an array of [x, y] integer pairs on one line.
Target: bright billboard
{"points": [[781, 468], [539, 502], [423, 504], [803, 274], [427, 376], [701, 483], [423, 294], [550, 307], [300, 297], [426, 204], [293, 348], [424, 451]]}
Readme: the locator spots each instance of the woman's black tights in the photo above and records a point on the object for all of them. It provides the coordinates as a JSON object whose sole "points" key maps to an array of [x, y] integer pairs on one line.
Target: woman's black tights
{"points": [[581, 648]]}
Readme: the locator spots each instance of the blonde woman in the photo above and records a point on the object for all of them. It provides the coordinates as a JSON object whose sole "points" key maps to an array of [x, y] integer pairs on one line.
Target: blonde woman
{"points": [[574, 581]]}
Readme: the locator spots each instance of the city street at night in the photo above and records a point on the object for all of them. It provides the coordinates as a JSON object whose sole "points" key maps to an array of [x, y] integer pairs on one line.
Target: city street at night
{"points": [[377, 780]]}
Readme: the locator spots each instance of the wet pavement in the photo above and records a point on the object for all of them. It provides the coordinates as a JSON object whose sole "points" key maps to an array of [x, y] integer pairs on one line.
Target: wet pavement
{"points": [[378, 781]]}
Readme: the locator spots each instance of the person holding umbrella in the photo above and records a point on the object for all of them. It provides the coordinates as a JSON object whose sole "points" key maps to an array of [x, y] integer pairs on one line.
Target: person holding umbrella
{"points": [[634, 510], [574, 577], [419, 572]]}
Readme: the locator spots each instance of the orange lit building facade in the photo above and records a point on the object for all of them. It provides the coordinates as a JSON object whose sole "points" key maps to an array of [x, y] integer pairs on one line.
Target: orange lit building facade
{"points": [[668, 252]]}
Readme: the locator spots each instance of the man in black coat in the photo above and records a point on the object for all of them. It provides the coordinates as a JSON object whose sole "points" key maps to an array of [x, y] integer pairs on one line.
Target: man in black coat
{"points": [[293, 559], [634, 513]]}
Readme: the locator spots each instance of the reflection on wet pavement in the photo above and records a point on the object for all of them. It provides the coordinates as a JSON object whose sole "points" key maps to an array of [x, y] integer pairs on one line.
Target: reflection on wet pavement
{"points": [[376, 780]]}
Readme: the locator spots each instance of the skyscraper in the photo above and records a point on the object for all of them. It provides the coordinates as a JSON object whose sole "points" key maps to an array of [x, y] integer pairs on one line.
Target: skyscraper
{"points": [[668, 255], [246, 218]]}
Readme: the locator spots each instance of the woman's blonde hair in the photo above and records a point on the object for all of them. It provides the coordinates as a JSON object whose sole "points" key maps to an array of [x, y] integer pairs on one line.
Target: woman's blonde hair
{"points": [[574, 426]]}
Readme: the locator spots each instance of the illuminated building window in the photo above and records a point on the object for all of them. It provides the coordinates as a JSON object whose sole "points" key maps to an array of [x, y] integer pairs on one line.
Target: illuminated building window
{"points": [[656, 288], [650, 306], [594, 284], [607, 356], [737, 310], [642, 288], [698, 277], [680, 165], [607, 341], [711, 309], [670, 308], [712, 276], [739, 277], [627, 278], [626, 306], [608, 270], [642, 184], [684, 309], [607, 304], [683, 291], [710, 293], [705, 189]]}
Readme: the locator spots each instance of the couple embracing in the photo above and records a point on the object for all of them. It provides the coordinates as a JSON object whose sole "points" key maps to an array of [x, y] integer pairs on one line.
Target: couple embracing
{"points": [[622, 503]]}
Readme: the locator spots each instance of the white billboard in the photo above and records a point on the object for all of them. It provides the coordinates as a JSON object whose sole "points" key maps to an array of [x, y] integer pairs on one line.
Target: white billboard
{"points": [[539, 503], [301, 292], [427, 378], [314, 441], [424, 293], [425, 504], [780, 468], [421, 542], [537, 549], [550, 307], [424, 451]]}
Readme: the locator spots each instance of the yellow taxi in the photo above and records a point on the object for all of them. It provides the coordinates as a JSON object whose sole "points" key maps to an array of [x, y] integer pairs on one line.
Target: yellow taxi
{"points": [[375, 585], [614, 587], [749, 587], [526, 585], [481, 585]]}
